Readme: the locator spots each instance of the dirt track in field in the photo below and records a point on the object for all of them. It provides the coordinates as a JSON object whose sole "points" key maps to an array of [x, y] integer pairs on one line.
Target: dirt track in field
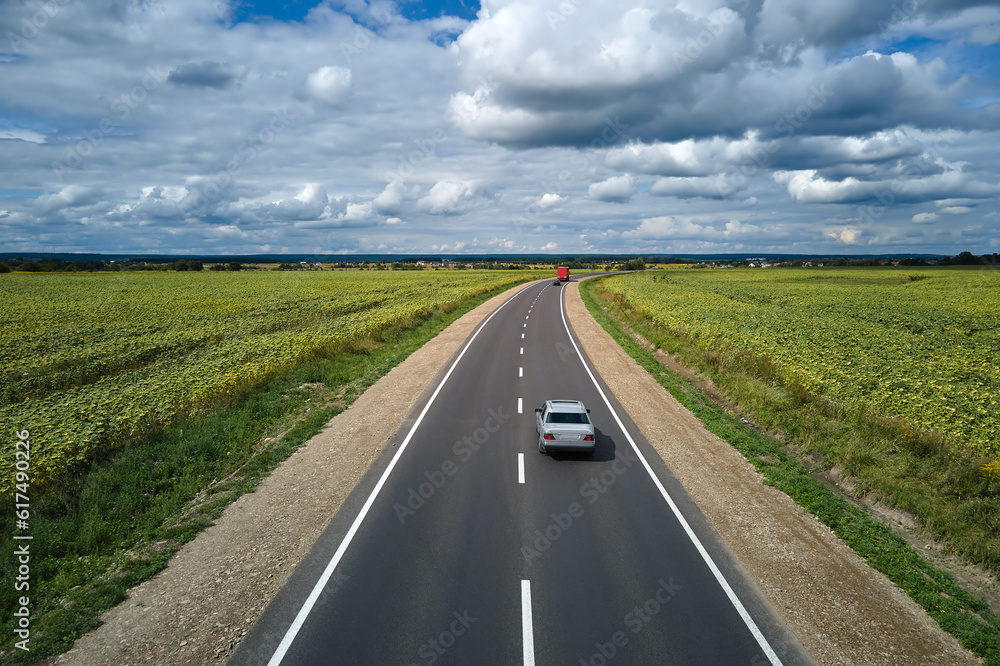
{"points": [[198, 609]]}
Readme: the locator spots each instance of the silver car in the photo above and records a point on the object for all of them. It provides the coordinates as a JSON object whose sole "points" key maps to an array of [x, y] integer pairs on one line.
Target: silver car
{"points": [[564, 425]]}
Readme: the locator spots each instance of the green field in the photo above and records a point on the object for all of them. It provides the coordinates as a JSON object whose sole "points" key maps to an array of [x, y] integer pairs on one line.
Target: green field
{"points": [[921, 345], [88, 361]]}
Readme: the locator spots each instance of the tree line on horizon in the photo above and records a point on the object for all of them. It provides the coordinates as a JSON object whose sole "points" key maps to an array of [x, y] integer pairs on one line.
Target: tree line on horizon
{"points": [[57, 265]]}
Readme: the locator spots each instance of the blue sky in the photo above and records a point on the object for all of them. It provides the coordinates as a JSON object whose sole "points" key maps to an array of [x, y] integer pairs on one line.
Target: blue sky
{"points": [[296, 10], [563, 126]]}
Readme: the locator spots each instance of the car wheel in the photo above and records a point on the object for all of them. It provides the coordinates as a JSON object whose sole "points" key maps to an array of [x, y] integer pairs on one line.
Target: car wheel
{"points": [[541, 447]]}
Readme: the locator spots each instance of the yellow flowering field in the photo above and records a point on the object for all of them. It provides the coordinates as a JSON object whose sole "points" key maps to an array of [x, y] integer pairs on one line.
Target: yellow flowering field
{"points": [[87, 360], [922, 344]]}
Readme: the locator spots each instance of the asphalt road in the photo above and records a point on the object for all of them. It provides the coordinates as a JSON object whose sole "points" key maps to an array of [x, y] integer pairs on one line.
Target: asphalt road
{"points": [[465, 545]]}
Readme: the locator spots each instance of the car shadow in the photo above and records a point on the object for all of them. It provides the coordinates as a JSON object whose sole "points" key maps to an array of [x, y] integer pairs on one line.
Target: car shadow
{"points": [[604, 450]]}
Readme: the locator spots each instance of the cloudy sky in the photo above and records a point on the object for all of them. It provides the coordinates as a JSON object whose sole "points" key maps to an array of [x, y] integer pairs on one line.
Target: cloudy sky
{"points": [[563, 126]]}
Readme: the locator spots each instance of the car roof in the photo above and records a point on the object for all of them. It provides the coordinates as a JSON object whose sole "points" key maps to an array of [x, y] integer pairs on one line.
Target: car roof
{"points": [[565, 406]]}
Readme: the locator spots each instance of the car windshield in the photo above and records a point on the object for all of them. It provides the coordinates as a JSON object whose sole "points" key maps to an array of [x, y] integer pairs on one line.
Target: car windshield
{"points": [[566, 417]]}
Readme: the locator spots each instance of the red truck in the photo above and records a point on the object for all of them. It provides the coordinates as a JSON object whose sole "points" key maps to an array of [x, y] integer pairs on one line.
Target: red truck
{"points": [[562, 273]]}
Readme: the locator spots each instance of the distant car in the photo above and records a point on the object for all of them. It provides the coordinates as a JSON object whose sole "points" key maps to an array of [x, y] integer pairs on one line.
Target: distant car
{"points": [[556, 283], [564, 425]]}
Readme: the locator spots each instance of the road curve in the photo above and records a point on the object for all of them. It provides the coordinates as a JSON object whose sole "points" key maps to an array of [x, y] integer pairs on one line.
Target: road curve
{"points": [[463, 544]]}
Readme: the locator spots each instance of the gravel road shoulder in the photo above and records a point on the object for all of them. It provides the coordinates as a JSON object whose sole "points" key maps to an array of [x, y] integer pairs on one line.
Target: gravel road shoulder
{"points": [[198, 609]]}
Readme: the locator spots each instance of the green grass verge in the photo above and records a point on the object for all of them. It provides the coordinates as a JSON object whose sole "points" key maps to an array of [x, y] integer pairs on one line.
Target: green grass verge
{"points": [[969, 619], [119, 522]]}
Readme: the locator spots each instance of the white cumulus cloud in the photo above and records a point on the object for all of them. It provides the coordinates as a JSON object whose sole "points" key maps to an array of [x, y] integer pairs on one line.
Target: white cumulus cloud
{"points": [[550, 199], [330, 84], [616, 189], [446, 198]]}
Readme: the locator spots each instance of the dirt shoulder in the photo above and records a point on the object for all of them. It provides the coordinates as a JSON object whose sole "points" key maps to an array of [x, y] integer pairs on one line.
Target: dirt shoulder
{"points": [[199, 608], [842, 610]]}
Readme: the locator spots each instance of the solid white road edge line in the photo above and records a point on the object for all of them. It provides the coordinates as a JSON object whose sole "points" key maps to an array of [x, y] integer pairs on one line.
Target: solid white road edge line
{"points": [[751, 625], [307, 607], [527, 633], [520, 468]]}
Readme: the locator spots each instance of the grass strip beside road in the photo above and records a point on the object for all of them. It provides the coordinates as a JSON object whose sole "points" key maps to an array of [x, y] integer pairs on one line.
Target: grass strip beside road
{"points": [[108, 529], [967, 618]]}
